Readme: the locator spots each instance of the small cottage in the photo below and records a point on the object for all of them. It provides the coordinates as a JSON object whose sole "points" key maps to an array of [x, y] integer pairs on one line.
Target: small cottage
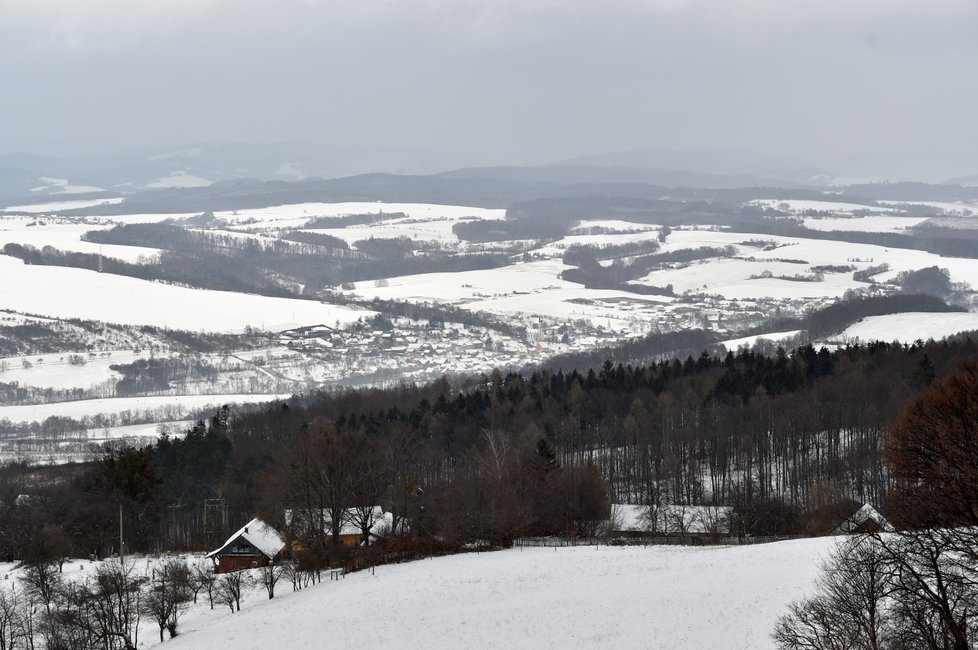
{"points": [[866, 519], [255, 544]]}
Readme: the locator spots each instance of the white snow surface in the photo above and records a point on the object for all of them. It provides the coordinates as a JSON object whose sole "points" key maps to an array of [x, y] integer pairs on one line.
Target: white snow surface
{"points": [[611, 226], [557, 248], [960, 207], [58, 206], [63, 186], [729, 277], [799, 206], [750, 341], [874, 223], [525, 288], [66, 236], [180, 179], [70, 292], [910, 326], [56, 370], [582, 597], [114, 405], [311, 210]]}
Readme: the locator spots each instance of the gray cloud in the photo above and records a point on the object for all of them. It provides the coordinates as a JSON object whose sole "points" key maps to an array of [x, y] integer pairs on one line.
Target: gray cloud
{"points": [[521, 81]]}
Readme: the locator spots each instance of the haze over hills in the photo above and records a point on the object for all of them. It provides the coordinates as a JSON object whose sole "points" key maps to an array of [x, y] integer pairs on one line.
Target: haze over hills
{"points": [[25, 176], [199, 165]]}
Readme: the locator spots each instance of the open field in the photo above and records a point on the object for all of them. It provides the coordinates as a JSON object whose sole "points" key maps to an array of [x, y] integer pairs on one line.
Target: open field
{"points": [[111, 406], [76, 293], [583, 597], [910, 327]]}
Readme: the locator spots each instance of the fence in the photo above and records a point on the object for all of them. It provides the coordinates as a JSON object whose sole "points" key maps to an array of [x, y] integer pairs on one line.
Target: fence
{"points": [[656, 540]]}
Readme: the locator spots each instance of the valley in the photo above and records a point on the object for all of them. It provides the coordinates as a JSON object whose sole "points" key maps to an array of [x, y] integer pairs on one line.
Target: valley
{"points": [[195, 310]]}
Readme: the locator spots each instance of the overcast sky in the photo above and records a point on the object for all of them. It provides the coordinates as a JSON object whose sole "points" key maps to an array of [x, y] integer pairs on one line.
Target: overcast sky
{"points": [[523, 80]]}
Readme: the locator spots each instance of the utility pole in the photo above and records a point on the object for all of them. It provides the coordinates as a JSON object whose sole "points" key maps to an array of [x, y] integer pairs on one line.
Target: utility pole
{"points": [[121, 551]]}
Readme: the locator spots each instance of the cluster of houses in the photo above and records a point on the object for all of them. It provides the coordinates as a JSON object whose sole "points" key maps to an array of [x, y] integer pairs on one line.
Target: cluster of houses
{"points": [[257, 544]]}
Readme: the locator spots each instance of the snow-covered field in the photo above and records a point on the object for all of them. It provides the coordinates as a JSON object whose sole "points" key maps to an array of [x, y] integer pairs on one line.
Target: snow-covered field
{"points": [[731, 277], [911, 326], [960, 207], [876, 223], [59, 206], [557, 248], [78, 293], [749, 341], [311, 210], [179, 404], [741, 278], [180, 179], [532, 288], [65, 236], [298, 215], [799, 206], [583, 597], [59, 372]]}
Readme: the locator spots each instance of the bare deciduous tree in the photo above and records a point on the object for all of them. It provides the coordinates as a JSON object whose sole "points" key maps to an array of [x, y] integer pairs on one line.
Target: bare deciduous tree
{"points": [[207, 581], [43, 581], [268, 576], [169, 591], [229, 589]]}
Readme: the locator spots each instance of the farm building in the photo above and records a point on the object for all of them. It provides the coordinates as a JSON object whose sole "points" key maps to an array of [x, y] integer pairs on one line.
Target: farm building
{"points": [[866, 519], [351, 531], [255, 544], [628, 520]]}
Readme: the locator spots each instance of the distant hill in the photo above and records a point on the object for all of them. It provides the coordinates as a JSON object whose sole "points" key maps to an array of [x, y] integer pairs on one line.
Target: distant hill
{"points": [[716, 161], [15, 182], [200, 165], [967, 181], [566, 174]]}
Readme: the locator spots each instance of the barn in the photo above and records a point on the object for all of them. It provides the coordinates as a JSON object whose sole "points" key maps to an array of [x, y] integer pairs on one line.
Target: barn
{"points": [[866, 519], [254, 545]]}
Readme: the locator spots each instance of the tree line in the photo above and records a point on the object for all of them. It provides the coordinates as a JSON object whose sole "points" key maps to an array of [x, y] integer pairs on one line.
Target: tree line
{"points": [[787, 439], [917, 587]]}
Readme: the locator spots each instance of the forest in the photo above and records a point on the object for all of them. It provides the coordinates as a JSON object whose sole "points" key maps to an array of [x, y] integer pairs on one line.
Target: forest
{"points": [[787, 439]]}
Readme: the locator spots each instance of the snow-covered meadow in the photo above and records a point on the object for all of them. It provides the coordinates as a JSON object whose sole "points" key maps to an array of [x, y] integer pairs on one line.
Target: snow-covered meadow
{"points": [[524, 288], [53, 207], [65, 292], [578, 597], [176, 405], [910, 326], [65, 235], [799, 206]]}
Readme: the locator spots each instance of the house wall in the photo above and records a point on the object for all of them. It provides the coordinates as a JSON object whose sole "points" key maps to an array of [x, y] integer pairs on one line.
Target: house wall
{"points": [[229, 563]]}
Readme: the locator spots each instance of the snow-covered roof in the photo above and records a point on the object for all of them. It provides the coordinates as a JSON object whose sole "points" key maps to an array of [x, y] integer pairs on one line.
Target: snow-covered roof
{"points": [[381, 524], [630, 517], [867, 514], [257, 533]]}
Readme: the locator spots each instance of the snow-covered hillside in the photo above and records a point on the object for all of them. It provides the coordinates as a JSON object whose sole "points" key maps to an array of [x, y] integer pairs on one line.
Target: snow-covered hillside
{"points": [[910, 326], [77, 293], [583, 597]]}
